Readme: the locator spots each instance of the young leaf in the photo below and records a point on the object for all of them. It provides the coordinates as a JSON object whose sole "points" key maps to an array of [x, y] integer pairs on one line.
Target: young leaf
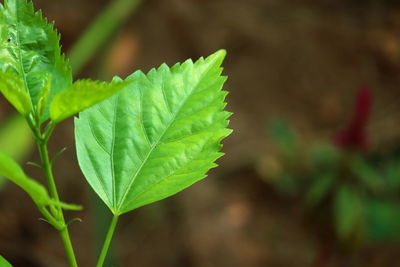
{"points": [[366, 173], [16, 139], [12, 87], [392, 176], [4, 262], [81, 95], [284, 137], [383, 219], [348, 211], [30, 50], [12, 171], [157, 136], [41, 106], [319, 189]]}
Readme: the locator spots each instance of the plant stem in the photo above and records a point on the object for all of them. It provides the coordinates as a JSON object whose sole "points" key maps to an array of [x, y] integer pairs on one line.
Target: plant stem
{"points": [[107, 241], [64, 234], [44, 156], [57, 211]]}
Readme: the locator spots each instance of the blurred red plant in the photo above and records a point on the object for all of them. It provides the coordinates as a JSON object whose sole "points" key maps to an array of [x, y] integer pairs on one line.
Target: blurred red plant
{"points": [[354, 135]]}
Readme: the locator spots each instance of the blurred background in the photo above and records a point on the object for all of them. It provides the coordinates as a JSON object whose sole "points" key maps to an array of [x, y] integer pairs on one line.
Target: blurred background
{"points": [[311, 175]]}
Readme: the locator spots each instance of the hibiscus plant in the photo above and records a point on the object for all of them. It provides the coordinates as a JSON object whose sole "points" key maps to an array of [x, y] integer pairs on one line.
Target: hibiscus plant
{"points": [[138, 139]]}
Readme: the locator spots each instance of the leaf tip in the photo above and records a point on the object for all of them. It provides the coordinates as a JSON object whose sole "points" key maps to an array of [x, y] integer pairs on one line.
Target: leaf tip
{"points": [[218, 56], [221, 53]]}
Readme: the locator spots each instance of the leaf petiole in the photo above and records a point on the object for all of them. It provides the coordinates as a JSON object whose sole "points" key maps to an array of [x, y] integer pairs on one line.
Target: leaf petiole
{"points": [[107, 241]]}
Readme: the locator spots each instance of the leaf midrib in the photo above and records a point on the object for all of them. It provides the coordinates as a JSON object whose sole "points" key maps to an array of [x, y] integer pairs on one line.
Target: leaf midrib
{"points": [[112, 149], [21, 65], [159, 139]]}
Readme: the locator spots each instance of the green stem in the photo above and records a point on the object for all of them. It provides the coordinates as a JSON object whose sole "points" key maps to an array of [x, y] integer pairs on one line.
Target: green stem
{"points": [[64, 234], [107, 241], [44, 156], [57, 211]]}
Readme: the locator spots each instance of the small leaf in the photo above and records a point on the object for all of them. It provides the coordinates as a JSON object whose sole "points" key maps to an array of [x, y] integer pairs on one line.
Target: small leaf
{"points": [[4, 262], [288, 185], [30, 50], [12, 171], [34, 164], [325, 157], [42, 106], [348, 211], [383, 219], [12, 87], [157, 136], [319, 189], [392, 176], [16, 139], [57, 155], [284, 137], [81, 95], [65, 206], [74, 220], [367, 174]]}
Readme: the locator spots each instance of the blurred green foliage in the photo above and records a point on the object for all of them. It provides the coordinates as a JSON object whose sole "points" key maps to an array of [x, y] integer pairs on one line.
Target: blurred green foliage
{"points": [[100, 32], [16, 139], [358, 197]]}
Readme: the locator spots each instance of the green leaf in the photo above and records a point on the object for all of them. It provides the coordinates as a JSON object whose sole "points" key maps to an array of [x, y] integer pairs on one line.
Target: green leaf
{"points": [[16, 139], [392, 176], [63, 205], [12, 87], [288, 184], [383, 219], [12, 171], [81, 95], [366, 173], [348, 211], [283, 136], [30, 50], [41, 107], [157, 136], [325, 157], [4, 262], [319, 189]]}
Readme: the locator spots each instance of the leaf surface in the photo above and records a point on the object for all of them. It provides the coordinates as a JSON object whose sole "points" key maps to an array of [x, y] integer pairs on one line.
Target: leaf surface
{"points": [[319, 189], [4, 262], [29, 49], [12, 87], [81, 95], [16, 139], [12, 171], [348, 211], [157, 136], [383, 220]]}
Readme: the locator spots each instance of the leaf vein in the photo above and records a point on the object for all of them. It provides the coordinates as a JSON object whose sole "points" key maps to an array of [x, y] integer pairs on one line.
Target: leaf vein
{"points": [[20, 62], [146, 135], [165, 96], [96, 138], [162, 179], [114, 121], [161, 136], [103, 187]]}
